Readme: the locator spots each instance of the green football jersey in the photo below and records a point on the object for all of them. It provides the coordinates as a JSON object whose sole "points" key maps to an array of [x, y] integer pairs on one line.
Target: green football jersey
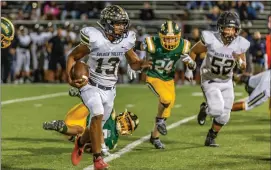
{"points": [[164, 61], [110, 133]]}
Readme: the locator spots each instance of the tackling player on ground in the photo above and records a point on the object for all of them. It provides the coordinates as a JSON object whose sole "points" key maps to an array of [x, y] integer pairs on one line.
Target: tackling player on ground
{"points": [[77, 119], [165, 50], [258, 87], [106, 47], [225, 48]]}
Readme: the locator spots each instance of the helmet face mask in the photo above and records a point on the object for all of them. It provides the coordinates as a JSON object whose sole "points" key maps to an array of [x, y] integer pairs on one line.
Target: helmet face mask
{"points": [[170, 35], [7, 32], [126, 123], [229, 26], [115, 22]]}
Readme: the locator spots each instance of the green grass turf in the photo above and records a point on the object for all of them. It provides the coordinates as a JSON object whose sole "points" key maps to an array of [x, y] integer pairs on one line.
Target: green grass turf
{"points": [[245, 141]]}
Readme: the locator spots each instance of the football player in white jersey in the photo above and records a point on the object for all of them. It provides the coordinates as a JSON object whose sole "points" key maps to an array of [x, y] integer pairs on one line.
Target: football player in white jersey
{"points": [[105, 46], [258, 87], [225, 48]]}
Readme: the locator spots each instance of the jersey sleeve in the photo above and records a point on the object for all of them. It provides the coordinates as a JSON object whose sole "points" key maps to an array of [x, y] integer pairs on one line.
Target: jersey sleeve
{"points": [[207, 37], [186, 46], [87, 36], [131, 40], [244, 45]]}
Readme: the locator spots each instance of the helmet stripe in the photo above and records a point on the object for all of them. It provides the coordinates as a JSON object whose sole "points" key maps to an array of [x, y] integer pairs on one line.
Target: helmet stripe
{"points": [[8, 21], [170, 26], [121, 9], [150, 44]]}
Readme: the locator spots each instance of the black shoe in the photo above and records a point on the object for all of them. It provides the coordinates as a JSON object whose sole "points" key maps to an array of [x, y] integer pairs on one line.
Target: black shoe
{"points": [[210, 139], [56, 125], [161, 126], [202, 114], [157, 143]]}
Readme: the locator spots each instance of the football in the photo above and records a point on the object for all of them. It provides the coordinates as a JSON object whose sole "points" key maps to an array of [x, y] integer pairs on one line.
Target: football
{"points": [[79, 71]]}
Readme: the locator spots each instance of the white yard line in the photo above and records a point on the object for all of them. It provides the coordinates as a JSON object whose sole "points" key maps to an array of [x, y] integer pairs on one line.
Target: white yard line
{"points": [[18, 100], [129, 147]]}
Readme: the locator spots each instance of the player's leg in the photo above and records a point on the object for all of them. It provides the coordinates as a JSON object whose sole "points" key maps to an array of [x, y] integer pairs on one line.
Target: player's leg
{"points": [[108, 98], [215, 103], [91, 98], [18, 64], [219, 121], [27, 66], [73, 124], [166, 98]]}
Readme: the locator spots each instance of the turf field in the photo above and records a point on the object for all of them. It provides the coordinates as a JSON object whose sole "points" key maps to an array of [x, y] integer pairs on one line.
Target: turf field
{"points": [[245, 141]]}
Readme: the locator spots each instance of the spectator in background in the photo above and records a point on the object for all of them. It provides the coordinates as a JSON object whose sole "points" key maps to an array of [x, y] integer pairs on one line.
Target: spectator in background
{"points": [[56, 48], [213, 17], [245, 33], [51, 11], [223, 5], [257, 49], [268, 42], [251, 12], [147, 12], [23, 56], [69, 11], [257, 5], [7, 55]]}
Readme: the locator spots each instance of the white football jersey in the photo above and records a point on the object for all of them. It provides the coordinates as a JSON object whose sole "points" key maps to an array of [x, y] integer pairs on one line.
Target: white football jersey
{"points": [[104, 57], [219, 62]]}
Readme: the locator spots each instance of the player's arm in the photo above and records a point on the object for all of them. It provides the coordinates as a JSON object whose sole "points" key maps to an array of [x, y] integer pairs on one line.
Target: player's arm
{"points": [[240, 60], [77, 53], [135, 62], [198, 48]]}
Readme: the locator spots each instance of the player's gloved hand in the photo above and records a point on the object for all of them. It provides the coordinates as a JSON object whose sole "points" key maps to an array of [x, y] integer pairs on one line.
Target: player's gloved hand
{"points": [[189, 61], [240, 63], [74, 92], [131, 73], [189, 75]]}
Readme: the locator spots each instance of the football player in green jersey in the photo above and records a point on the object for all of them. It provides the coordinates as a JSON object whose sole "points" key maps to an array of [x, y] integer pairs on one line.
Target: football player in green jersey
{"points": [[77, 119], [165, 50], [7, 32]]}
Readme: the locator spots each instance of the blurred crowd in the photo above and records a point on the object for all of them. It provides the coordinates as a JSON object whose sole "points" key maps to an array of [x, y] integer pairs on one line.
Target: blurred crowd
{"points": [[39, 52]]}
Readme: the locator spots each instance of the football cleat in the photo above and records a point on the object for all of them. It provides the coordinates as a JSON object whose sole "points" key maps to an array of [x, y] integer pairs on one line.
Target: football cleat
{"points": [[210, 139], [202, 114], [105, 151], [56, 125], [77, 153], [157, 143], [99, 164], [161, 127]]}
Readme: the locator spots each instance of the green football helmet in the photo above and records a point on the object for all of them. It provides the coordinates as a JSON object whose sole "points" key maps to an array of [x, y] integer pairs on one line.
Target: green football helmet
{"points": [[7, 32], [170, 35]]}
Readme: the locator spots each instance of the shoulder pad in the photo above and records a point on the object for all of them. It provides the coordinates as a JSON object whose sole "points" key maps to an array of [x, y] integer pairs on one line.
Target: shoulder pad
{"points": [[243, 44], [150, 44], [186, 46], [131, 40], [207, 37], [89, 35]]}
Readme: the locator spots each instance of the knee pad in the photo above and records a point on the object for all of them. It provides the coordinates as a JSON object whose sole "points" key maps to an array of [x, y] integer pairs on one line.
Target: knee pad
{"points": [[224, 118], [165, 105], [215, 110]]}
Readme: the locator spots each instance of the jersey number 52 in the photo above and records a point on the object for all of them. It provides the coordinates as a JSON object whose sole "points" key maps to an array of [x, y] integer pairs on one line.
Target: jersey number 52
{"points": [[220, 67]]}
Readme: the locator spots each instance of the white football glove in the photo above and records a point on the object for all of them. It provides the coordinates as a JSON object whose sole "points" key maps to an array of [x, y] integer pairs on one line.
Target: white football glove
{"points": [[131, 73], [189, 75], [189, 61]]}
